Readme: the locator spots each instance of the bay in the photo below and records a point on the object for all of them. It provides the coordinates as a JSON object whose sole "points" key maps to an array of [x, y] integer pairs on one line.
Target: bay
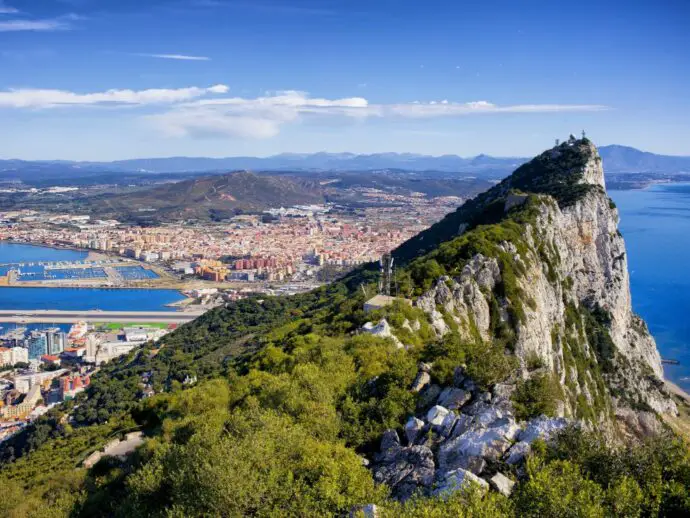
{"points": [[76, 299], [83, 299], [655, 223], [21, 253]]}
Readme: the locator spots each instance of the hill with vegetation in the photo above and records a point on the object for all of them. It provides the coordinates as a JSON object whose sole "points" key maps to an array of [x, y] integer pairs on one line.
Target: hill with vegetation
{"points": [[209, 197], [510, 379]]}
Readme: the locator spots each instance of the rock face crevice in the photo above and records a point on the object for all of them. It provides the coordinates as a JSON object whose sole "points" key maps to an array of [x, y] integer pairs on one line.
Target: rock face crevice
{"points": [[574, 281]]}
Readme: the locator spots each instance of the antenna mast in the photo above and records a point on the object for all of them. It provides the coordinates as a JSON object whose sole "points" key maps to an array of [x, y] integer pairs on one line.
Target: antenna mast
{"points": [[386, 274]]}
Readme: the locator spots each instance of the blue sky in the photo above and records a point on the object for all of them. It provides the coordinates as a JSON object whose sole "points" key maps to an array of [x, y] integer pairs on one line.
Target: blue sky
{"points": [[111, 79]]}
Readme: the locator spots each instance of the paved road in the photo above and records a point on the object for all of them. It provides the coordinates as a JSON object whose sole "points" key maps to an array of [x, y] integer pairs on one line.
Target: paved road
{"points": [[51, 316]]}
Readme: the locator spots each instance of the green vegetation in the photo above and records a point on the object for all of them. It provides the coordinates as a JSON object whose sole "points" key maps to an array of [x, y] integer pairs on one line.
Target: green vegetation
{"points": [[555, 174], [289, 395], [114, 326], [536, 396]]}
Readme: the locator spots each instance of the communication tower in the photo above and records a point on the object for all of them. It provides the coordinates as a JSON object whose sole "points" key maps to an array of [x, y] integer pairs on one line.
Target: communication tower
{"points": [[386, 274]]}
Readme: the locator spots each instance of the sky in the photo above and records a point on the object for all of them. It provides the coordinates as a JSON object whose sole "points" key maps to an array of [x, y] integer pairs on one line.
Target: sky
{"points": [[116, 79]]}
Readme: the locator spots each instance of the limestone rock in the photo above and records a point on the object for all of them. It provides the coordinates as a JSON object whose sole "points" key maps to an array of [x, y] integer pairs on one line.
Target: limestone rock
{"points": [[502, 484], [436, 415], [573, 257], [542, 427], [458, 480], [453, 398], [412, 429], [383, 330], [405, 470], [422, 380]]}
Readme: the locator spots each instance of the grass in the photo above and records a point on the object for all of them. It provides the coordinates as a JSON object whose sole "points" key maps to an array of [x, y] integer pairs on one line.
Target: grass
{"points": [[114, 326]]}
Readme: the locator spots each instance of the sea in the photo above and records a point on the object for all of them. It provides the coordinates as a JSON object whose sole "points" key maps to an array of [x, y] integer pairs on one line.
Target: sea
{"points": [[77, 299], [655, 223]]}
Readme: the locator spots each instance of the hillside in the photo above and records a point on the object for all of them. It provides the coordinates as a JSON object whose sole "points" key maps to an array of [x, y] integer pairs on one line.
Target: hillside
{"points": [[210, 197], [514, 381]]}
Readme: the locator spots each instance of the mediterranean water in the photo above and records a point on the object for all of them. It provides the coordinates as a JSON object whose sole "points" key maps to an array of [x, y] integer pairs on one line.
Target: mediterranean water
{"points": [[77, 299], [655, 223]]}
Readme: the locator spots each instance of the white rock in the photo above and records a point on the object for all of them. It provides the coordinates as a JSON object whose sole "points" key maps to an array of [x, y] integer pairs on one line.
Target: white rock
{"points": [[412, 429], [542, 427], [458, 480], [383, 330], [453, 398], [436, 415], [422, 380], [502, 484]]}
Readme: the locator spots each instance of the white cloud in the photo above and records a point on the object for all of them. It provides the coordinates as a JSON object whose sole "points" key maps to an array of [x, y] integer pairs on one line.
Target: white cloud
{"points": [[263, 117], [448, 109], [61, 23], [251, 118], [179, 57], [35, 98], [6, 9], [194, 112]]}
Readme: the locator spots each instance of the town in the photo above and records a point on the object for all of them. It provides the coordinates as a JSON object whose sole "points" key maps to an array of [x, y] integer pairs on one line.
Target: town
{"points": [[40, 368], [298, 245]]}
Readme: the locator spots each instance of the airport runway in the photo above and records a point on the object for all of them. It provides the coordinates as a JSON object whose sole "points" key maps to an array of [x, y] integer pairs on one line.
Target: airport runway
{"points": [[51, 316]]}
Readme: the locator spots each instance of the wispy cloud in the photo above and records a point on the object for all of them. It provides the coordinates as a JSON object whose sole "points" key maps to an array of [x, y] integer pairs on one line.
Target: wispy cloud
{"points": [[263, 117], [36, 98], [179, 57], [267, 7], [205, 112], [6, 9], [61, 23]]}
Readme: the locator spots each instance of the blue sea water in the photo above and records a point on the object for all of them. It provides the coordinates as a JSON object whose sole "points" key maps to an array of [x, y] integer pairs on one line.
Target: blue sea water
{"points": [[82, 299], [77, 299], [20, 253], [655, 223]]}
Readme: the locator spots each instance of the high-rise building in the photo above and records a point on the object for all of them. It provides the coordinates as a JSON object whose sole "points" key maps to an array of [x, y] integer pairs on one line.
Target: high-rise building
{"points": [[55, 341], [38, 345]]}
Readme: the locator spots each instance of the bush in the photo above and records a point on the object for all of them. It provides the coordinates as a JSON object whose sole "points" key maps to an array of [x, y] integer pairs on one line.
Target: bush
{"points": [[536, 396]]}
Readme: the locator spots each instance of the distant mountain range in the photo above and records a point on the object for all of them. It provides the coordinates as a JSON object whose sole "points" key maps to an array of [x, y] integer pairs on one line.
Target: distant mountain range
{"points": [[617, 159]]}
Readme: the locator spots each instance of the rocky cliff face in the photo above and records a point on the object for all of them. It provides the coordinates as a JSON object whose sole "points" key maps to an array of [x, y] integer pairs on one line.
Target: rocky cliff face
{"points": [[574, 315], [536, 272]]}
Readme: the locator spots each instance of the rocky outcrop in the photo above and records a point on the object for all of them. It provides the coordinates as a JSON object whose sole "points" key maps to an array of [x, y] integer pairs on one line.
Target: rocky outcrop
{"points": [[573, 282], [382, 330], [404, 469], [447, 449]]}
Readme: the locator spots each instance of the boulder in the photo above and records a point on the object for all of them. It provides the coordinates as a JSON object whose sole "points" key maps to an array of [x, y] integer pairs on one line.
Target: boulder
{"points": [[449, 421], [517, 453], [406, 470], [488, 444], [436, 415], [383, 330], [542, 427], [457, 480], [502, 484], [422, 380], [454, 398], [412, 429]]}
